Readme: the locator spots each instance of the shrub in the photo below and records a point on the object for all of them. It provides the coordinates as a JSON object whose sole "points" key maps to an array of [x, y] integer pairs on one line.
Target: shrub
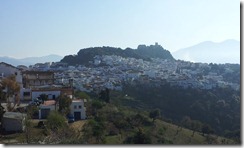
{"points": [[55, 120]]}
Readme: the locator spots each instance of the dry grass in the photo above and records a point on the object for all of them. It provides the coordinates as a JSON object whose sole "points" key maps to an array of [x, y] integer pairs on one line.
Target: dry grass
{"points": [[77, 125]]}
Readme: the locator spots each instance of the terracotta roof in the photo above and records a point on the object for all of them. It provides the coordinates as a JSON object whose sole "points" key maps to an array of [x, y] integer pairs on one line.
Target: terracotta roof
{"points": [[49, 102]]}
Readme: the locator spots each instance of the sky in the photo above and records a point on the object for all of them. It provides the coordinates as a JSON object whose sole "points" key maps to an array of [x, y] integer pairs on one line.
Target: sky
{"points": [[31, 28]]}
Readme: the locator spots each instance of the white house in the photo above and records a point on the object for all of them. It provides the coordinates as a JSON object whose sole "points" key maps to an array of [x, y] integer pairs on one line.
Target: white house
{"points": [[7, 70], [77, 109], [52, 94], [46, 108]]}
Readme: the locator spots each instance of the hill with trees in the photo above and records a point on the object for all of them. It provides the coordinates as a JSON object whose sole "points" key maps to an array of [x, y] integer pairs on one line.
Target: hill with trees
{"points": [[142, 52], [114, 122], [217, 109]]}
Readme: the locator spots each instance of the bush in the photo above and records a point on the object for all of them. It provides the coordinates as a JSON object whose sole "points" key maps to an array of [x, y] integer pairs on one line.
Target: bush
{"points": [[139, 138], [55, 120]]}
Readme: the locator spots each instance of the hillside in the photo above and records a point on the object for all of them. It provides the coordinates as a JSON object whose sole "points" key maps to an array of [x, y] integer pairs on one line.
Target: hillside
{"points": [[142, 52], [110, 122], [219, 108], [211, 52], [159, 132], [116, 124]]}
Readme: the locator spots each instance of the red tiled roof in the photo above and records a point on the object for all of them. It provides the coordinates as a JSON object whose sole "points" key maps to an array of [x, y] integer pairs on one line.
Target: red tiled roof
{"points": [[49, 102]]}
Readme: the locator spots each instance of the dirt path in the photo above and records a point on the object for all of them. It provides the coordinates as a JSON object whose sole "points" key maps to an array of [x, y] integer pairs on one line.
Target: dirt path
{"points": [[77, 125]]}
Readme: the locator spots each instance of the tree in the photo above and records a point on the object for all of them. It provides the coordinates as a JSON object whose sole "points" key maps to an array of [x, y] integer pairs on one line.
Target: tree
{"points": [[43, 97], [94, 129], [105, 95], [136, 121], [154, 114], [139, 138], [11, 88], [2, 110], [95, 105], [28, 124], [186, 122], [196, 126], [207, 129], [64, 104], [121, 124], [82, 95]]}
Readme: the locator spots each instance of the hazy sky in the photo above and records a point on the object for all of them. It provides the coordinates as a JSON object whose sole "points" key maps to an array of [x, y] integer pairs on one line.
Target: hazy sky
{"points": [[42, 27]]}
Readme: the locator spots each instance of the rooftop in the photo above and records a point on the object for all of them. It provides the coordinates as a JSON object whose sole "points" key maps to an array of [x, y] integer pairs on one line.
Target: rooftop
{"points": [[14, 115], [48, 103]]}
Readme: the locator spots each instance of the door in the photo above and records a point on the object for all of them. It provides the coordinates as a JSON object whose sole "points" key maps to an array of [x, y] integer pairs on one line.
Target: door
{"points": [[77, 115], [44, 113]]}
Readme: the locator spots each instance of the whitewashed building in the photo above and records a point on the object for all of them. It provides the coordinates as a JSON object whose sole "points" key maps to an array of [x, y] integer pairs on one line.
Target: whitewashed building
{"points": [[7, 70], [78, 109], [46, 108]]}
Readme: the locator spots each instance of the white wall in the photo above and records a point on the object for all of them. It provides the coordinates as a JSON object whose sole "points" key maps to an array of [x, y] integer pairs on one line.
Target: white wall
{"points": [[7, 70], [77, 104], [50, 94], [22, 93]]}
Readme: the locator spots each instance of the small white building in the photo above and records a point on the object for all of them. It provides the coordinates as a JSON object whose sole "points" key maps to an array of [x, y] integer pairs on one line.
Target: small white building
{"points": [[7, 70], [46, 108], [77, 109]]}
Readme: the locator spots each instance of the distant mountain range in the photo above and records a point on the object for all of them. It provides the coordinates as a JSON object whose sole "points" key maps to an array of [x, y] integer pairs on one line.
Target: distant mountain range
{"points": [[31, 60], [210, 52], [206, 52], [142, 52]]}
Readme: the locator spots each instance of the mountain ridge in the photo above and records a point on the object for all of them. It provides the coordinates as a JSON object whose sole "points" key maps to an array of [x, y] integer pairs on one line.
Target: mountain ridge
{"points": [[227, 51], [30, 60]]}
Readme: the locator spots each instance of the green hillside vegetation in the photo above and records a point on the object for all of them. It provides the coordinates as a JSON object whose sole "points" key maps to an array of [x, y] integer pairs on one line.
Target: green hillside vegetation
{"points": [[111, 124], [217, 108], [111, 121], [142, 52]]}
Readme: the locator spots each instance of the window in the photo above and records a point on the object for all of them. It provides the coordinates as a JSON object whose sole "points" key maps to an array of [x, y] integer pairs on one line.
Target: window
{"points": [[75, 107], [79, 106], [25, 94]]}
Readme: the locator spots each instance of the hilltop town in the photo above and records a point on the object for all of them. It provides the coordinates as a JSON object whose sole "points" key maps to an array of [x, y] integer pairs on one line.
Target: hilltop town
{"points": [[45, 85], [110, 71]]}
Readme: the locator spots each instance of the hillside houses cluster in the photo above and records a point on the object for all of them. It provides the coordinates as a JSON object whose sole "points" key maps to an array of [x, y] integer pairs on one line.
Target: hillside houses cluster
{"points": [[111, 71], [33, 84]]}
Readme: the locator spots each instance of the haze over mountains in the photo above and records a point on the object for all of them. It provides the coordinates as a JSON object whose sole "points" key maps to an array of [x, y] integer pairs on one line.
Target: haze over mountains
{"points": [[227, 51], [31, 60]]}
